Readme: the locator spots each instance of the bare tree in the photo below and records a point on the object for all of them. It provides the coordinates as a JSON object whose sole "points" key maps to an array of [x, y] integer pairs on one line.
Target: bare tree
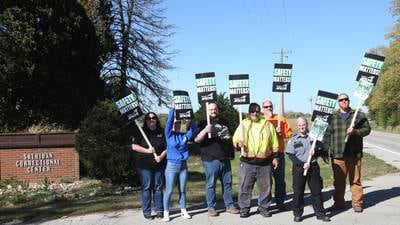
{"points": [[141, 52]]}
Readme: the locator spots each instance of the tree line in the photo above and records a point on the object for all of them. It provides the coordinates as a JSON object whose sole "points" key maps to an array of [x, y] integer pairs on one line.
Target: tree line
{"points": [[384, 101]]}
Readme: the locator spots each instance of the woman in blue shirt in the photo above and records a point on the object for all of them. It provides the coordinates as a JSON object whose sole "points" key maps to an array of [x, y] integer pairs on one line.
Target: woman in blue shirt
{"points": [[177, 156]]}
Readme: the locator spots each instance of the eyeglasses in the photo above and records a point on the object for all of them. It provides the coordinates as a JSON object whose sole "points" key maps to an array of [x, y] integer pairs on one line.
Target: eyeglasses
{"points": [[343, 99], [151, 118], [267, 106], [255, 111]]}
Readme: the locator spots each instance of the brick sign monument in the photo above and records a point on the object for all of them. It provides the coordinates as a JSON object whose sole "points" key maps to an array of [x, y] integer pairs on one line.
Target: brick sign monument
{"points": [[36, 157]]}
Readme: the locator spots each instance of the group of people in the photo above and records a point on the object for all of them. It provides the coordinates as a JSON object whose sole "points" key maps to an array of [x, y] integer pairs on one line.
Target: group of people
{"points": [[261, 142]]}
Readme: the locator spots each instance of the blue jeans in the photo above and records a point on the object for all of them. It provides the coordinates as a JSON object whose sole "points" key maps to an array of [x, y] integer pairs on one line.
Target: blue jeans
{"points": [[152, 185], [218, 169], [279, 178], [173, 173]]}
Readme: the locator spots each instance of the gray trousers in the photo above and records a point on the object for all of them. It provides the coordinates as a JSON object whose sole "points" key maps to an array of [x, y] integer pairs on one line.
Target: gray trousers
{"points": [[249, 175]]}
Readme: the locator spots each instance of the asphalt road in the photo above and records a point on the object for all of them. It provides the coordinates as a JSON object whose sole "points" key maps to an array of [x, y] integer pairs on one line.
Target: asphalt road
{"points": [[385, 146]]}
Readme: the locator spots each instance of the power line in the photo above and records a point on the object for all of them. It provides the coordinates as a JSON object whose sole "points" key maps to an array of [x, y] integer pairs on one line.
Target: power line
{"points": [[254, 22], [286, 23], [271, 23], [261, 19]]}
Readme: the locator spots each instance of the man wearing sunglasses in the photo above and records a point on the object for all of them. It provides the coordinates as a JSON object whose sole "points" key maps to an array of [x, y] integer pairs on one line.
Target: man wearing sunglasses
{"points": [[346, 156], [259, 141], [284, 131]]}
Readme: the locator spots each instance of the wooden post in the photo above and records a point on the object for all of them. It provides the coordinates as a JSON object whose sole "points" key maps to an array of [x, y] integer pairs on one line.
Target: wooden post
{"points": [[145, 136], [353, 120], [243, 130], [208, 119], [309, 156], [280, 110]]}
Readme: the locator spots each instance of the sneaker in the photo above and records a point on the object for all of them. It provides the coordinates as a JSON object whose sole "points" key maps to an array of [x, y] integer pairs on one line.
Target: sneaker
{"points": [[148, 216], [233, 210], [186, 215], [166, 216], [212, 212], [265, 213], [297, 219], [358, 209]]}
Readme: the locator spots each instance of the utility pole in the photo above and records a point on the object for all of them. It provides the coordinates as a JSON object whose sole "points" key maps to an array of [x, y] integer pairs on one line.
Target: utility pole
{"points": [[281, 97]]}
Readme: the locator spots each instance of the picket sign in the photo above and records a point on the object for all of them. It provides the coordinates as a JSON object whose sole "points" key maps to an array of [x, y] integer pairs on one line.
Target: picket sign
{"points": [[368, 75], [145, 137], [206, 91], [239, 94], [354, 118], [282, 77], [309, 156], [129, 108], [324, 107]]}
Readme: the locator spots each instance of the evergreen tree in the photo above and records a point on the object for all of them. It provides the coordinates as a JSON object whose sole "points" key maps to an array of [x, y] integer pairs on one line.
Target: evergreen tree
{"points": [[49, 63], [226, 110]]}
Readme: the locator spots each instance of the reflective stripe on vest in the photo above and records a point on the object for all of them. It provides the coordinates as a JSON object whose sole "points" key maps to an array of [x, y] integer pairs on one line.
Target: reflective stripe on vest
{"points": [[261, 155]]}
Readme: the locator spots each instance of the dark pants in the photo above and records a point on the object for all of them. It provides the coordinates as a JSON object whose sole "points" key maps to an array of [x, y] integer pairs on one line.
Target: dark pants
{"points": [[279, 178], [249, 175], [314, 182]]}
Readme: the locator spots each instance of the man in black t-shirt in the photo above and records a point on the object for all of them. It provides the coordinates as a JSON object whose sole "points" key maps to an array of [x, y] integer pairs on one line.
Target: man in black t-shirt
{"points": [[216, 153]]}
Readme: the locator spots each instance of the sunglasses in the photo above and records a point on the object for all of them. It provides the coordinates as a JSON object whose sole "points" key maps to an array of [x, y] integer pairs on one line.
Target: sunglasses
{"points": [[343, 99], [151, 118], [255, 111], [267, 106]]}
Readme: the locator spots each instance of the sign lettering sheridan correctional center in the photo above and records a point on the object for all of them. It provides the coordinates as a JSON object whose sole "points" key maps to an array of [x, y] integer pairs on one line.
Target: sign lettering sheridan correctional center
{"points": [[206, 87], [282, 77], [129, 108], [239, 89], [182, 105], [371, 67], [325, 104]]}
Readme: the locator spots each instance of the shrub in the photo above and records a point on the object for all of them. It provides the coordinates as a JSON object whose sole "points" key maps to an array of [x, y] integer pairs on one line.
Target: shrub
{"points": [[103, 143]]}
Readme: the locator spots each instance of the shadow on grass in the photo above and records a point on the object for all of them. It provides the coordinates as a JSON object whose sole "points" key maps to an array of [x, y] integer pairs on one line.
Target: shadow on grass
{"points": [[62, 207], [195, 176]]}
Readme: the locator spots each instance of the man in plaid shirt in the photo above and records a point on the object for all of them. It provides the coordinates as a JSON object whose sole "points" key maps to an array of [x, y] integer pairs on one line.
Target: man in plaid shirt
{"points": [[346, 156]]}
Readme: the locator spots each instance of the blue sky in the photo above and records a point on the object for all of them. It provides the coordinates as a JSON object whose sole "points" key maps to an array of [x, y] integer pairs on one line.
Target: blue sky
{"points": [[328, 40]]}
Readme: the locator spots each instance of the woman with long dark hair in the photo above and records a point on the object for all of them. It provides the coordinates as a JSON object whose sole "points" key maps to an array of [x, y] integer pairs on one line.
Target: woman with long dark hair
{"points": [[150, 163]]}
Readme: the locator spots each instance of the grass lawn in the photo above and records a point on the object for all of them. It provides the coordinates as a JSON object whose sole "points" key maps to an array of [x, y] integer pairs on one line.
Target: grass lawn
{"points": [[37, 207]]}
